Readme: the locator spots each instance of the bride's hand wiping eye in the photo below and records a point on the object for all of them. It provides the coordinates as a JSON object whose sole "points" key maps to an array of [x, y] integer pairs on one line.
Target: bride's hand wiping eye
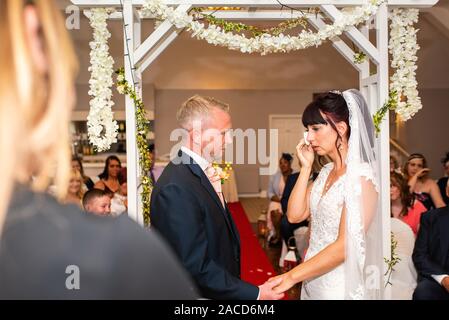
{"points": [[305, 154]]}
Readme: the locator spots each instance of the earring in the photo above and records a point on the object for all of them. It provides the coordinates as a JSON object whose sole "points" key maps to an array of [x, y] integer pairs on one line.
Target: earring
{"points": [[339, 144]]}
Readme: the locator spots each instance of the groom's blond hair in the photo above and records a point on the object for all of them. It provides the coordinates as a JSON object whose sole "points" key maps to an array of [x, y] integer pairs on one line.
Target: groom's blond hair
{"points": [[198, 108]]}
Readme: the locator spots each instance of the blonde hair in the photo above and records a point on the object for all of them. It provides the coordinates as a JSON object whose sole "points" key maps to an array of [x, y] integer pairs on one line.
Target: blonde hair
{"points": [[198, 108], [76, 175], [34, 107]]}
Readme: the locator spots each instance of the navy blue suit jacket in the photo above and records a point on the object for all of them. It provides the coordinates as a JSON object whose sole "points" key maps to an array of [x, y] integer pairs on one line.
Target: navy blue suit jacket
{"points": [[187, 211], [431, 252]]}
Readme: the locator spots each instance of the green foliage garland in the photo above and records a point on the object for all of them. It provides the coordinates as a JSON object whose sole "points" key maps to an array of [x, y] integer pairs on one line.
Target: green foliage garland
{"points": [[380, 114], [393, 261], [142, 129], [239, 27]]}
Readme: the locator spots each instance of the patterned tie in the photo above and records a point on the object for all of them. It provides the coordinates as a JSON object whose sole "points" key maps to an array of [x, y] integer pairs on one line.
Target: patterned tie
{"points": [[215, 180]]}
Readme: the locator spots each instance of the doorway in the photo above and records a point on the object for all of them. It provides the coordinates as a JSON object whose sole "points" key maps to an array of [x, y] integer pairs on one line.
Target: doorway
{"points": [[290, 131]]}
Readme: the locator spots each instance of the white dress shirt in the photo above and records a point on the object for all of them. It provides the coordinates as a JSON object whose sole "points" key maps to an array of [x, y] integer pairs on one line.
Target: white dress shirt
{"points": [[439, 278], [203, 163]]}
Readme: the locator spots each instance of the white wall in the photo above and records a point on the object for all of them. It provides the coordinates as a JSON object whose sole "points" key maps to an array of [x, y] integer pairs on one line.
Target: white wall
{"points": [[428, 131]]}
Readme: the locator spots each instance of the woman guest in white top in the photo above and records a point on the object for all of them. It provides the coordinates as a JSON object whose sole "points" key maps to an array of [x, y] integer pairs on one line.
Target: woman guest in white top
{"points": [[119, 202]]}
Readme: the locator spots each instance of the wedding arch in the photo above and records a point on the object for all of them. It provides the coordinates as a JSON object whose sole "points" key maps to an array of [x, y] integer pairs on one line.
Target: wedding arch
{"points": [[373, 72]]}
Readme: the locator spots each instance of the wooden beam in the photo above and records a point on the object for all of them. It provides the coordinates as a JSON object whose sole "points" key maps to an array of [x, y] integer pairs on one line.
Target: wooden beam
{"points": [[156, 36], [261, 3], [257, 15], [338, 44], [354, 34], [154, 53]]}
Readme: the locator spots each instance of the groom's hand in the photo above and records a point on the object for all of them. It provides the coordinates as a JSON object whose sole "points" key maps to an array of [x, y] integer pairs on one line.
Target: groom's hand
{"points": [[266, 291]]}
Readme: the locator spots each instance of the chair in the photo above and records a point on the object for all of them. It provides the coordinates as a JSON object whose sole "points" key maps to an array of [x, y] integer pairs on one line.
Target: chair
{"points": [[302, 241], [404, 275]]}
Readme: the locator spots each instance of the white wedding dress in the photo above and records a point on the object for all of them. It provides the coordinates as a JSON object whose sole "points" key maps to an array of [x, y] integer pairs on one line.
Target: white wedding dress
{"points": [[325, 220], [357, 192]]}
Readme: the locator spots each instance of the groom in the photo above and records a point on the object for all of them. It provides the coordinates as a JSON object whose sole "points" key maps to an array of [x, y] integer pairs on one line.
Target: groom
{"points": [[188, 208]]}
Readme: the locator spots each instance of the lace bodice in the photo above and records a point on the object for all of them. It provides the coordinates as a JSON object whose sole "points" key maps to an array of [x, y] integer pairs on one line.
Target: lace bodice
{"points": [[325, 210], [325, 220]]}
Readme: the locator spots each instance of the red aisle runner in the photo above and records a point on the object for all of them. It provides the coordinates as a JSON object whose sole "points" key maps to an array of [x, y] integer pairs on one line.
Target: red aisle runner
{"points": [[255, 266]]}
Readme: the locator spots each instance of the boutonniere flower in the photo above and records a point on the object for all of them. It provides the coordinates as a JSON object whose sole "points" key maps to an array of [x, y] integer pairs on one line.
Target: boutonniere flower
{"points": [[222, 171]]}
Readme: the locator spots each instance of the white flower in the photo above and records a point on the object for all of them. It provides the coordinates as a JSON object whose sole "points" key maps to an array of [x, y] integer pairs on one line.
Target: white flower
{"points": [[121, 89], [101, 126], [403, 48], [264, 44]]}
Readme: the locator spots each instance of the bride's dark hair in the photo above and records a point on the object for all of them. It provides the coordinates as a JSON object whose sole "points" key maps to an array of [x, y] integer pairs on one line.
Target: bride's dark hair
{"points": [[334, 108]]}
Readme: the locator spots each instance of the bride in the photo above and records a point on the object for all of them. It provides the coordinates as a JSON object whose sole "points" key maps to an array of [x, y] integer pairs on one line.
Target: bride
{"points": [[344, 259]]}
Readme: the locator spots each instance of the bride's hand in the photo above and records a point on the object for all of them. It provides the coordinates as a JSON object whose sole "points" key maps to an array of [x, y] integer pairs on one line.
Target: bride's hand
{"points": [[286, 282], [305, 154]]}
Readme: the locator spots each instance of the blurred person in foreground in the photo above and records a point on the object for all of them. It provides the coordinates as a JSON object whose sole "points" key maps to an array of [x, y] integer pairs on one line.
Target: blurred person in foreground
{"points": [[43, 243]]}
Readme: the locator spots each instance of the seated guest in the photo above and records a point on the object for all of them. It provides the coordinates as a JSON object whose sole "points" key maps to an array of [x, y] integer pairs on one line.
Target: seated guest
{"points": [[98, 202], [403, 204], [289, 229], [275, 190], [109, 177], [421, 185], [88, 184], [443, 183], [119, 202], [431, 256], [75, 192], [394, 165]]}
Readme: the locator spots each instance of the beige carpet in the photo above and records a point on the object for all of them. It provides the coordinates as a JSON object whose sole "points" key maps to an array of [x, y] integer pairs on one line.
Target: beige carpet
{"points": [[254, 207]]}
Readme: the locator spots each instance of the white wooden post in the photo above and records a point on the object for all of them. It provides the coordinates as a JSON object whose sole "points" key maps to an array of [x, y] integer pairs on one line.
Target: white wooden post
{"points": [[384, 137], [156, 42], [131, 37]]}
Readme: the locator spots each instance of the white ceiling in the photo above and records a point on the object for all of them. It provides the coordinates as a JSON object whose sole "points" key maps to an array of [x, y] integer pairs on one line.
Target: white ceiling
{"points": [[193, 64]]}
